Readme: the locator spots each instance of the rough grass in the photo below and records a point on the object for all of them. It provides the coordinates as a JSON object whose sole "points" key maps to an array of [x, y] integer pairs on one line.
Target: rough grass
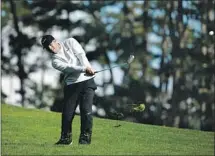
{"points": [[34, 132]]}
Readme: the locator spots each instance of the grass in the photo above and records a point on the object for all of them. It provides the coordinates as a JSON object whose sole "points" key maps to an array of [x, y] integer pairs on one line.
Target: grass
{"points": [[34, 132]]}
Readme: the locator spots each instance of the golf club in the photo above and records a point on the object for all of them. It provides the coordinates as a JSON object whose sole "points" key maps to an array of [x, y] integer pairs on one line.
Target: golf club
{"points": [[130, 59]]}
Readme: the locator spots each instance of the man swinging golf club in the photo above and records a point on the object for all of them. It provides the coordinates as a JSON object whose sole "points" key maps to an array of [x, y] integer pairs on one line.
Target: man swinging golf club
{"points": [[70, 58]]}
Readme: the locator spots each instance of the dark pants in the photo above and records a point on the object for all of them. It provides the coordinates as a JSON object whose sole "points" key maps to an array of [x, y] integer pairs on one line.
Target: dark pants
{"points": [[82, 93]]}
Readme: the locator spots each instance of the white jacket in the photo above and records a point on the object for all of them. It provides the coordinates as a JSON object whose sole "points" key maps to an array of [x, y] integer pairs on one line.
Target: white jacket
{"points": [[72, 61]]}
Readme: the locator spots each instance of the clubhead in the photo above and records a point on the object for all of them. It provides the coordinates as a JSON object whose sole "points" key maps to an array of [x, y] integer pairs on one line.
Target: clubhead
{"points": [[131, 58]]}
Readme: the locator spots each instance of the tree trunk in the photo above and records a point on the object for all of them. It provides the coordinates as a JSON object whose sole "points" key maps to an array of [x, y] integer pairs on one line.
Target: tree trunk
{"points": [[42, 104], [175, 48], [174, 44], [18, 52]]}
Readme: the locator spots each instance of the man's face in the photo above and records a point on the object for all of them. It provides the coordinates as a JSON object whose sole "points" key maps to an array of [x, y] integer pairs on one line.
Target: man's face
{"points": [[54, 46]]}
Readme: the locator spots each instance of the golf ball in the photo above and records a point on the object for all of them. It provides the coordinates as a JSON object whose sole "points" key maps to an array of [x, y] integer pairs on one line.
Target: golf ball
{"points": [[211, 33], [142, 106]]}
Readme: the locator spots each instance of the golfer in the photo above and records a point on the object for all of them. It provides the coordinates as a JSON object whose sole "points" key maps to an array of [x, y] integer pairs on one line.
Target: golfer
{"points": [[70, 58]]}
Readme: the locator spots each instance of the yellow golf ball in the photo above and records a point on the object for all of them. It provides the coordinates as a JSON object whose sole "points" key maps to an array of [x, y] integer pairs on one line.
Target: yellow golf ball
{"points": [[142, 106]]}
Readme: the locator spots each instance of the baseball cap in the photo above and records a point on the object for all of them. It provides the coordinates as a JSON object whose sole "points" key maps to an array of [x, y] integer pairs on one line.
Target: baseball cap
{"points": [[47, 40]]}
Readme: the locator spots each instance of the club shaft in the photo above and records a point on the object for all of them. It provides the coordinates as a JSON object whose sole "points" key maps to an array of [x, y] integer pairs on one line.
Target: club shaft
{"points": [[121, 65]]}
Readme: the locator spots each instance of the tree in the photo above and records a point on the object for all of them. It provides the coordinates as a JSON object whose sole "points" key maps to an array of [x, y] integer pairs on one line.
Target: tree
{"points": [[18, 50]]}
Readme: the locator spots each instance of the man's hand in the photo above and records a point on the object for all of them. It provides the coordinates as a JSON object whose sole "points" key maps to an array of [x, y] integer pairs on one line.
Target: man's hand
{"points": [[90, 71]]}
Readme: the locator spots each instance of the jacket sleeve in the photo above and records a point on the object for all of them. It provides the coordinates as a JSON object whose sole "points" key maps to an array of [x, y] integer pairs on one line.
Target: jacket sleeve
{"points": [[66, 68], [79, 52]]}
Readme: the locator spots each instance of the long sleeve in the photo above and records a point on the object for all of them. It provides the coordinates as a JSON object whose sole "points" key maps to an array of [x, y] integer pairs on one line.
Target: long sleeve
{"points": [[79, 52], [65, 67]]}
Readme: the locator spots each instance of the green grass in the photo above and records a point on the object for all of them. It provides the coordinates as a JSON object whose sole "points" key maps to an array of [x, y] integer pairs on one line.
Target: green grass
{"points": [[34, 132]]}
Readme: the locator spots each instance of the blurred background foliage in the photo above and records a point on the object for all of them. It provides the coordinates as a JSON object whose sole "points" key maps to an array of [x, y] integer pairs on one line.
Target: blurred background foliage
{"points": [[173, 70]]}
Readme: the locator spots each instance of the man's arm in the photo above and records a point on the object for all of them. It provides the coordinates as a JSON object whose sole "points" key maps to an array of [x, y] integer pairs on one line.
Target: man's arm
{"points": [[79, 52], [67, 68]]}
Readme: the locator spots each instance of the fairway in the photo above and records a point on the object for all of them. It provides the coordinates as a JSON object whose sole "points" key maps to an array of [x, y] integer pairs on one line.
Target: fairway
{"points": [[34, 132]]}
